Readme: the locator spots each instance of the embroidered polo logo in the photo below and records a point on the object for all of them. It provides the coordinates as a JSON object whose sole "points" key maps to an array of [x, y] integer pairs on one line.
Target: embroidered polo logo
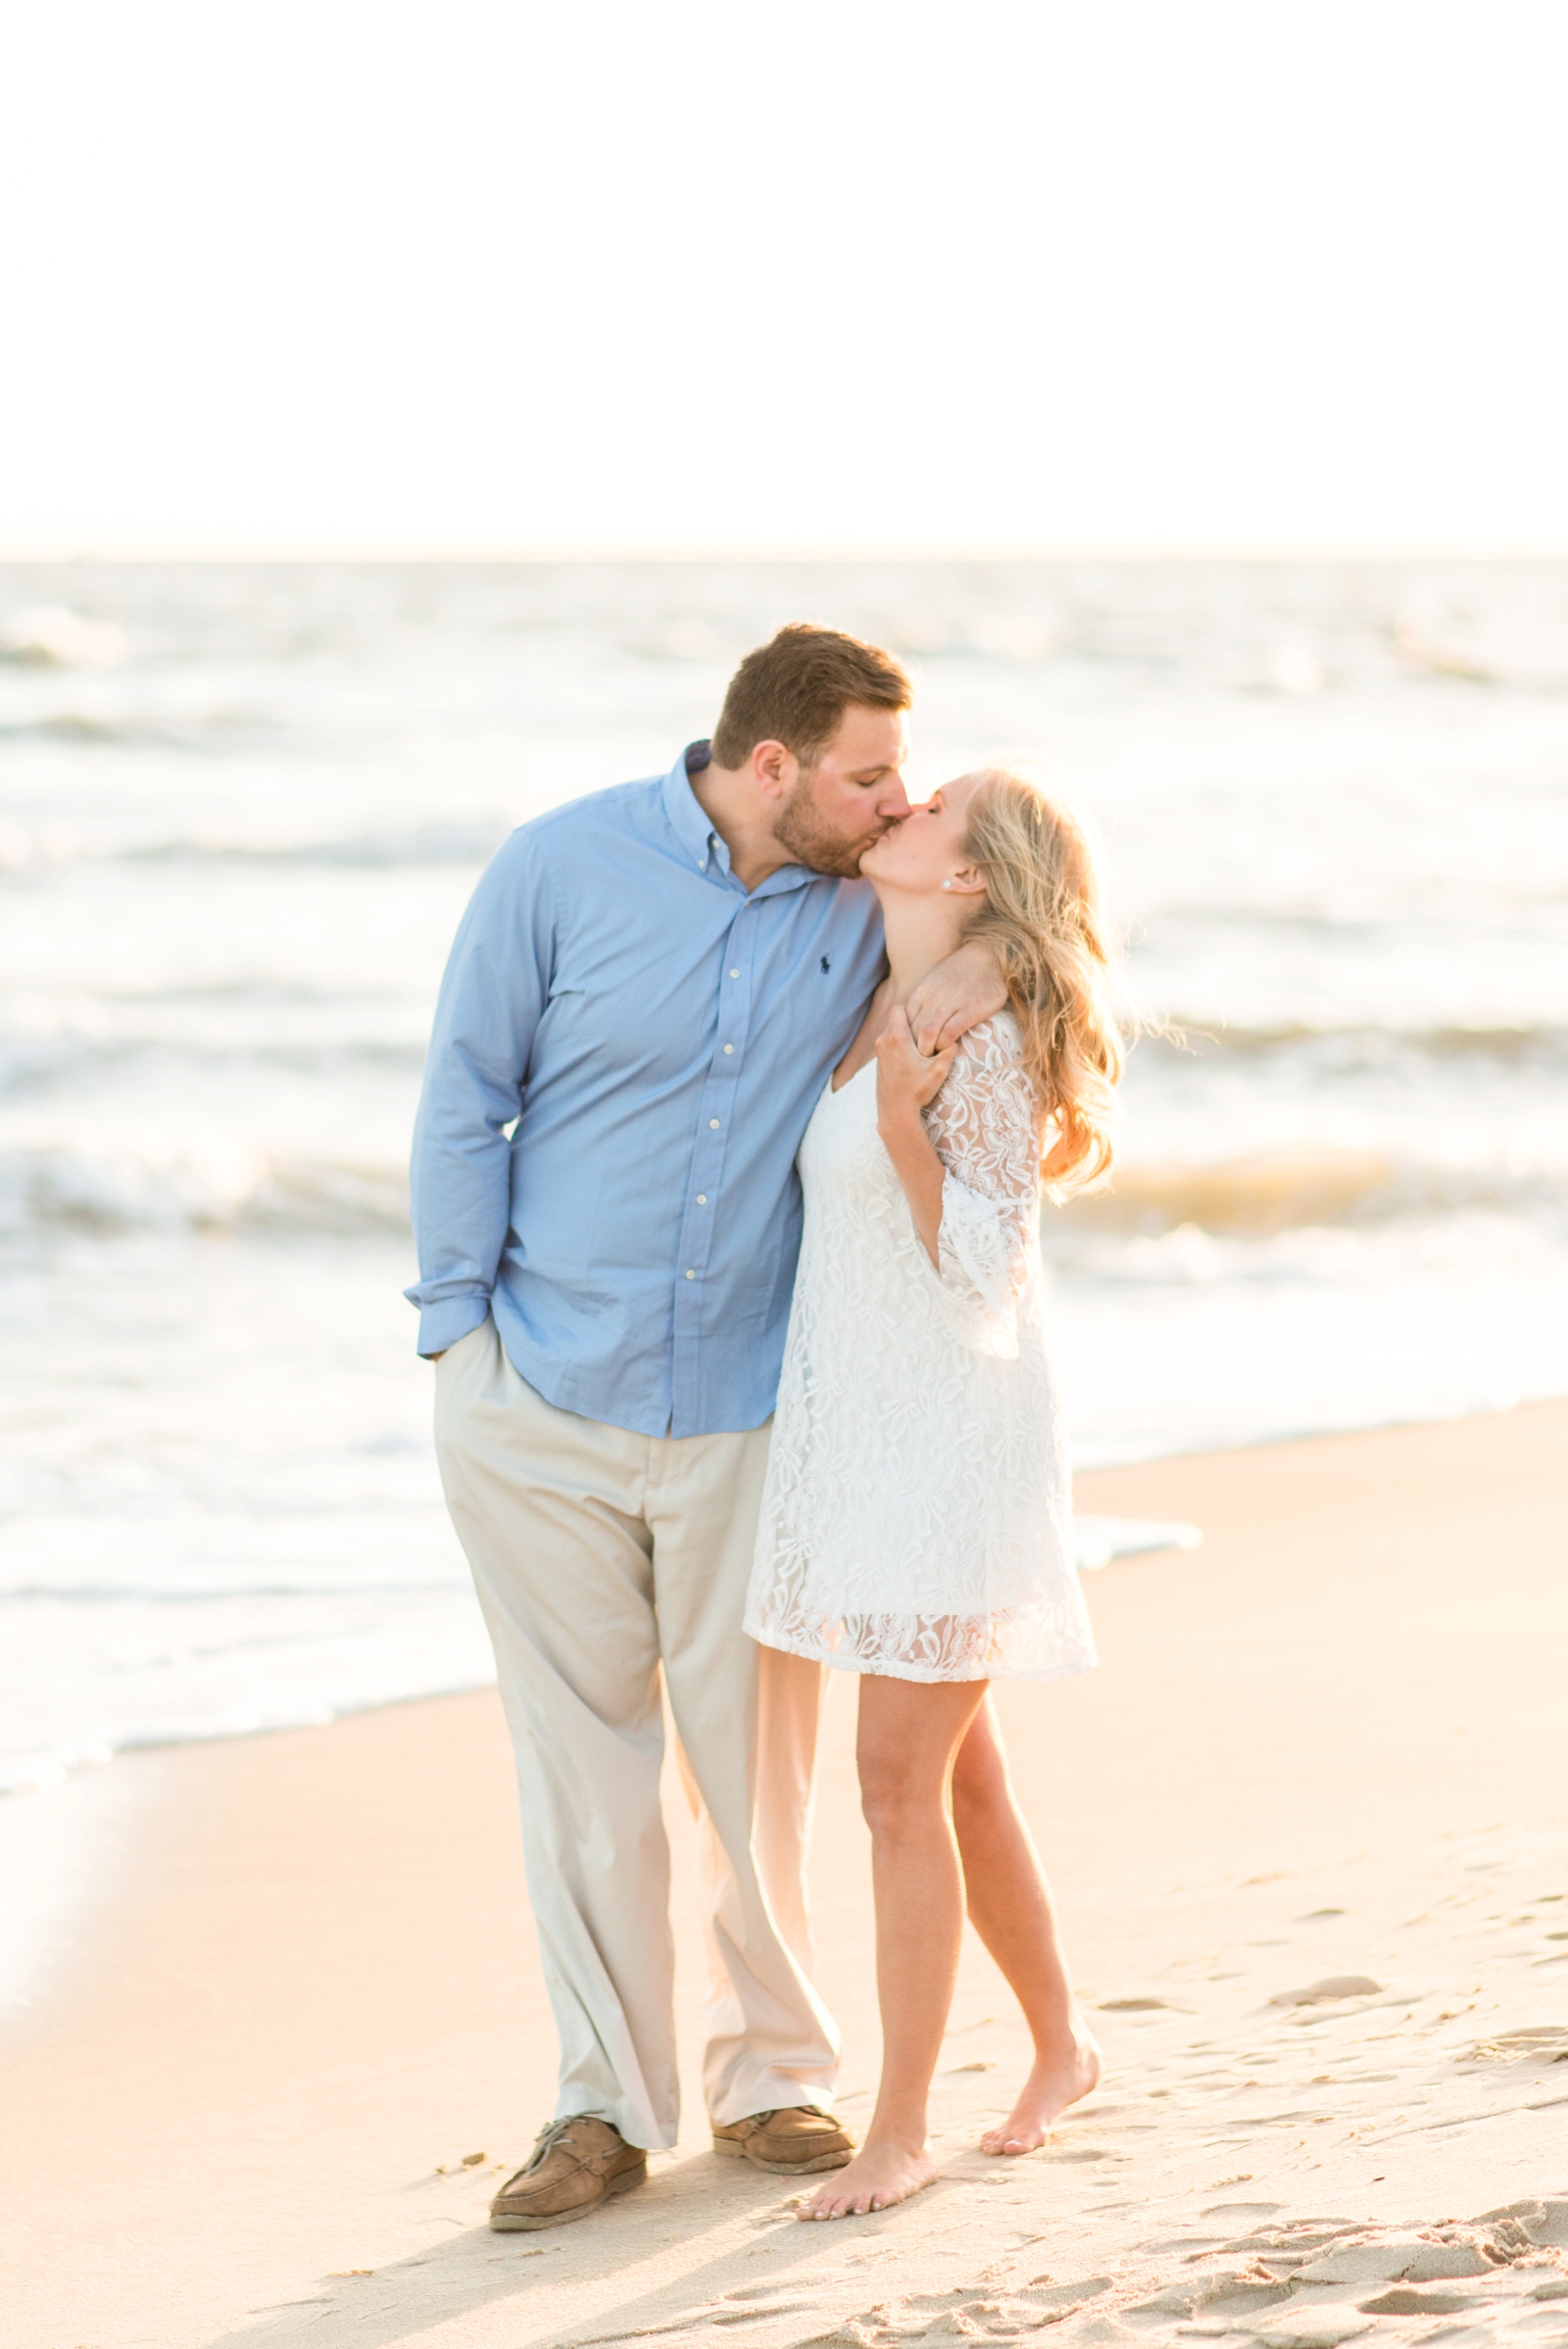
{"points": [[826, 966]]}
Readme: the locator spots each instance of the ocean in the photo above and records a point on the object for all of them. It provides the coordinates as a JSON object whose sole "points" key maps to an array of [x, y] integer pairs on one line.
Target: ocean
{"points": [[242, 807]]}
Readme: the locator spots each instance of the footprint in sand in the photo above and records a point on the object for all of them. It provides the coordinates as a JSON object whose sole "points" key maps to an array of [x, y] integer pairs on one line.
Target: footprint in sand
{"points": [[1333, 1986], [1515, 2046]]}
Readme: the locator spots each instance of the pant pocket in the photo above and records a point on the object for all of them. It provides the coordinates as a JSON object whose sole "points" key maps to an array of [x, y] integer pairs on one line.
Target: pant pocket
{"points": [[460, 1345]]}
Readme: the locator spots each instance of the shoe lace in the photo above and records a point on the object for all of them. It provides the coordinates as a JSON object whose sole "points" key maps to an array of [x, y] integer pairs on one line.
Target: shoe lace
{"points": [[548, 2139]]}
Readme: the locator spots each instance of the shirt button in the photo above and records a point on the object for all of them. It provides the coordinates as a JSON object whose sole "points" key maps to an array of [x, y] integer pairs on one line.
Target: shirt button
{"points": [[734, 974], [701, 1199], [714, 1122], [691, 1276], [729, 1048]]}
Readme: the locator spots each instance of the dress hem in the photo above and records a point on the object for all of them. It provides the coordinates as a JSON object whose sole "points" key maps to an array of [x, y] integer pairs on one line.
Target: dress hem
{"points": [[837, 1661]]}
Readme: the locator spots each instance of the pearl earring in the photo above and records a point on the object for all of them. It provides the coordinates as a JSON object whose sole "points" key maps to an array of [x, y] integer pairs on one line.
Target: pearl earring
{"points": [[947, 884]]}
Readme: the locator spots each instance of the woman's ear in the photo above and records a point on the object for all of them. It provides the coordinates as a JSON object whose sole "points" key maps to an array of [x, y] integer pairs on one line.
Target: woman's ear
{"points": [[967, 883]]}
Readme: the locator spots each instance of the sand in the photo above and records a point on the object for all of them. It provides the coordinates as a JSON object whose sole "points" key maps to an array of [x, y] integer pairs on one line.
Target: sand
{"points": [[1308, 1829]]}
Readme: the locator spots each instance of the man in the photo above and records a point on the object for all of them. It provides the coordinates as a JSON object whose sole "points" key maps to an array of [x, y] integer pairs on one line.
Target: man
{"points": [[645, 999]]}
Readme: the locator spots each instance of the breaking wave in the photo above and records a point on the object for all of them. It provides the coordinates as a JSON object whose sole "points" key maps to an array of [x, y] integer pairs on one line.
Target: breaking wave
{"points": [[1266, 1192], [44, 1063], [426, 845], [1512, 1045], [61, 1187]]}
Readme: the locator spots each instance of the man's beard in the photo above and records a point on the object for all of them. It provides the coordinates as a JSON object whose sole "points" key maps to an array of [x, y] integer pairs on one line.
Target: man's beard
{"points": [[809, 842]]}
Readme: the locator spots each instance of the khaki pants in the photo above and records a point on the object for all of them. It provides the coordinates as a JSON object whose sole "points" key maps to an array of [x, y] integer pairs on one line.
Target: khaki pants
{"points": [[599, 1555]]}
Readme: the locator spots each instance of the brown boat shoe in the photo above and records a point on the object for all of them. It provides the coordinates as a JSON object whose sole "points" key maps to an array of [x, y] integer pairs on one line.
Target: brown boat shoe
{"points": [[791, 2141], [575, 2165]]}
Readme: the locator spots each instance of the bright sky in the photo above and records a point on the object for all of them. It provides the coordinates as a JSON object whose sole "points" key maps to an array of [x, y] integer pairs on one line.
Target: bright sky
{"points": [[1009, 276]]}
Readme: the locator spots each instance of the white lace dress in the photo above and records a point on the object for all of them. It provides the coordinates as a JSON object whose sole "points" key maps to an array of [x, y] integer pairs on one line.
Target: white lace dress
{"points": [[915, 1520]]}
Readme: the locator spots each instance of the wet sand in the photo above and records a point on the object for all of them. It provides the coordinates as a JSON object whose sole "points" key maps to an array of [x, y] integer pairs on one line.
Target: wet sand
{"points": [[1308, 1829]]}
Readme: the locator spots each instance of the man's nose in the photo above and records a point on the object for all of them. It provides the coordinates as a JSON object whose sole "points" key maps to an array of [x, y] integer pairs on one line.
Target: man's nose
{"points": [[892, 801]]}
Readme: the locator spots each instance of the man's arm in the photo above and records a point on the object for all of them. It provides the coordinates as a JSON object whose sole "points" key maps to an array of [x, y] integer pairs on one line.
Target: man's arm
{"points": [[957, 997], [459, 1181]]}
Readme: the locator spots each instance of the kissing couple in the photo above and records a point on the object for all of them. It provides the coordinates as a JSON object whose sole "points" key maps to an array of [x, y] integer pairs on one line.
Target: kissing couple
{"points": [[744, 1084]]}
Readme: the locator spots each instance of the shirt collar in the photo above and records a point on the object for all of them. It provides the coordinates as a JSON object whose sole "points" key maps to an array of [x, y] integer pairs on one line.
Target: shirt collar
{"points": [[688, 818]]}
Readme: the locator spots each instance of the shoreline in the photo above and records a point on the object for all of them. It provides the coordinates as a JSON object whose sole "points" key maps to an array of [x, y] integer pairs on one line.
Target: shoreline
{"points": [[1325, 1744], [52, 1776]]}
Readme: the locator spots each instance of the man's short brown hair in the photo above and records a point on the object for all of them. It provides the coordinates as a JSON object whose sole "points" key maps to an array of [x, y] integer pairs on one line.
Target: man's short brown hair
{"points": [[796, 688]]}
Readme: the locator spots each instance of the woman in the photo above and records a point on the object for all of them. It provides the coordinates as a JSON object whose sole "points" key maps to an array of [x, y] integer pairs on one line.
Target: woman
{"points": [[915, 1524]]}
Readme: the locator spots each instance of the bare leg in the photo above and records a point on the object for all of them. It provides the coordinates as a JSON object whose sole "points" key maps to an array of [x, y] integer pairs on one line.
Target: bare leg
{"points": [[1009, 1907], [909, 1733]]}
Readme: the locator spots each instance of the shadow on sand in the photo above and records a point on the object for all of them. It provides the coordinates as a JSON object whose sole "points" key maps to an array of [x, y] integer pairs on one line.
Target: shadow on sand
{"points": [[746, 2214]]}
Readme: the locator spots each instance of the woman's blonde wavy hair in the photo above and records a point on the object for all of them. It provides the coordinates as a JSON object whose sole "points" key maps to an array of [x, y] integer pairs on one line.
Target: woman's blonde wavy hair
{"points": [[1042, 917]]}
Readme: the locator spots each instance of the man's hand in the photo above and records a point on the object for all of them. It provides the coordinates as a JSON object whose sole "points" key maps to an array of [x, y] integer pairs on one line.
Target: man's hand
{"points": [[957, 997]]}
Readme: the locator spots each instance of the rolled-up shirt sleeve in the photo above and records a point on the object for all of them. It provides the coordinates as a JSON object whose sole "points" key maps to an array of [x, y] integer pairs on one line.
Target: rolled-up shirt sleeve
{"points": [[492, 998]]}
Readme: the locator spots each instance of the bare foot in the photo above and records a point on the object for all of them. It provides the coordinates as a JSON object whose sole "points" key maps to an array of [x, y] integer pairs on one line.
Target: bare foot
{"points": [[1049, 2091], [878, 2177]]}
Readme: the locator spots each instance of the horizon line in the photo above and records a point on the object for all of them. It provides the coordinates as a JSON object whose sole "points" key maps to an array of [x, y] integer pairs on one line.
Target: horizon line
{"points": [[1088, 550]]}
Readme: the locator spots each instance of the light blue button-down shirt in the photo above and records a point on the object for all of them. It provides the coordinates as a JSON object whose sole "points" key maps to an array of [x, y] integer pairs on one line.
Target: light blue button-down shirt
{"points": [[661, 1039]]}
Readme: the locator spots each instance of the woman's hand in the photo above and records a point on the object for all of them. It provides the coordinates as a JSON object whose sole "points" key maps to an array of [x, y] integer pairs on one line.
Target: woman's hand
{"points": [[906, 1080], [906, 1077]]}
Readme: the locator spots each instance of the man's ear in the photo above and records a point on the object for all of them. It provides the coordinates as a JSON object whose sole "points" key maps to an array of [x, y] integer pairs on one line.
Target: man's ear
{"points": [[776, 769]]}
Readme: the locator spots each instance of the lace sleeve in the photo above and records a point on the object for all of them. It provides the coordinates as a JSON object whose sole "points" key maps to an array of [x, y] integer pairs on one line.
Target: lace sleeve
{"points": [[985, 1127]]}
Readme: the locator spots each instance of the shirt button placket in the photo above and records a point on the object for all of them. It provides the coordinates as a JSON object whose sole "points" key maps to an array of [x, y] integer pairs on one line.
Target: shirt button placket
{"points": [[719, 1094]]}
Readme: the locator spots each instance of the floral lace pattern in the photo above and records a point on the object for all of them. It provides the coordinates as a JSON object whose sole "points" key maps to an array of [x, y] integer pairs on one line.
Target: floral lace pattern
{"points": [[915, 1518]]}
